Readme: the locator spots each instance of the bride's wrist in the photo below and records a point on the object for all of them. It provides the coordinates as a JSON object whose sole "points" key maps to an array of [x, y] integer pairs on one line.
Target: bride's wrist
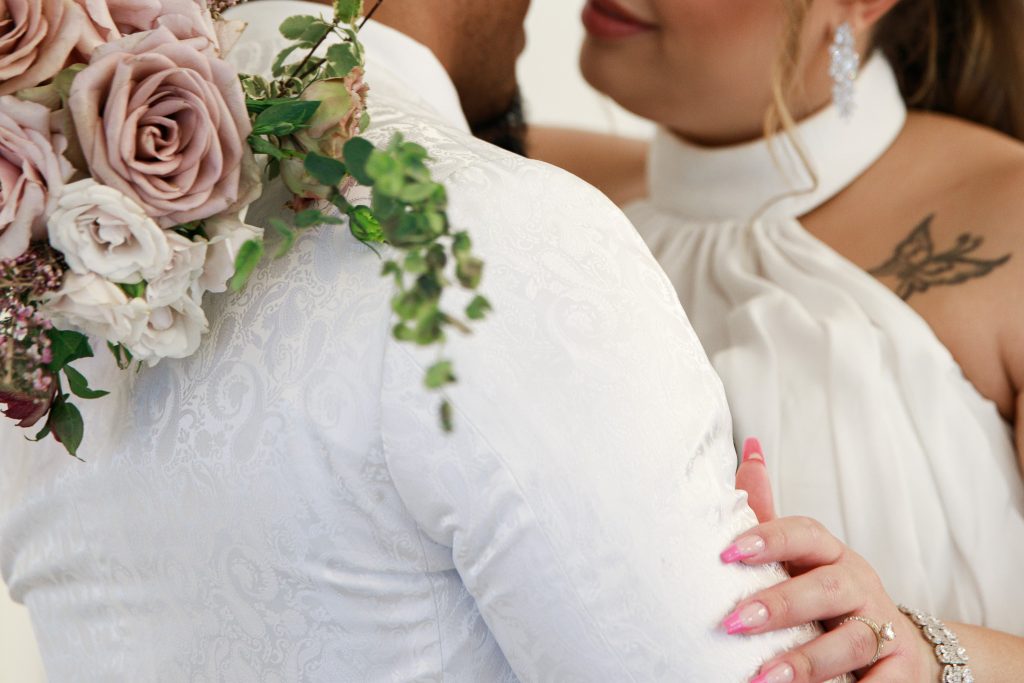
{"points": [[937, 648]]}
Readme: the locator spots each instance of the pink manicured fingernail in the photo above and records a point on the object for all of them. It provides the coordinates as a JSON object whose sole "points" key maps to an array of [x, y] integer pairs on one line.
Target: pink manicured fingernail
{"points": [[743, 549], [752, 450], [746, 618], [782, 673]]}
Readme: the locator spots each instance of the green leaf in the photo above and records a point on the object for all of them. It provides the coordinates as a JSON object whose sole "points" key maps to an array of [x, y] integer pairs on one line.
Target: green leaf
{"points": [[278, 68], [325, 170], [478, 308], [414, 193], [439, 375], [284, 119], [258, 106], [357, 153], [294, 27], [79, 385], [436, 258], [248, 258], [343, 58], [313, 217], [43, 433], [347, 11], [287, 235], [67, 425], [263, 146], [412, 152], [404, 333], [415, 263], [407, 305], [392, 269], [315, 33], [430, 327], [121, 354], [67, 346], [380, 165], [364, 225], [470, 271], [134, 291], [461, 244]]}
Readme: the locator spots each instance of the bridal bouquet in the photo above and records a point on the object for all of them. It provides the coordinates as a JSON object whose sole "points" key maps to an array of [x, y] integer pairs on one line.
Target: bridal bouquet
{"points": [[129, 151]]}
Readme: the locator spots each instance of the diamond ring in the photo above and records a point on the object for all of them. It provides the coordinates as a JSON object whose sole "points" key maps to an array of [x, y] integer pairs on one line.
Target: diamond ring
{"points": [[883, 634]]}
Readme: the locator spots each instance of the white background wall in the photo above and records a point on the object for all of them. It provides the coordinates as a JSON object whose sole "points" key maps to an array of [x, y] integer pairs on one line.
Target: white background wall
{"points": [[555, 94], [19, 657]]}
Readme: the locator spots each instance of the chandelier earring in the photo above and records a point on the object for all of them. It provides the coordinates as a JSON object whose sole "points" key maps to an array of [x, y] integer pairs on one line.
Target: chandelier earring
{"points": [[845, 64]]}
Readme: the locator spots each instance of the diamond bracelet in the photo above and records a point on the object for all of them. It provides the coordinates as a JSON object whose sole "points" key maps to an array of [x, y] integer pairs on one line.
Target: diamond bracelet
{"points": [[952, 657]]}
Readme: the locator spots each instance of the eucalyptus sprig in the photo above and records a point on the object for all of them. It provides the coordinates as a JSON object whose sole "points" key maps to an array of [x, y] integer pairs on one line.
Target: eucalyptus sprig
{"points": [[408, 207]]}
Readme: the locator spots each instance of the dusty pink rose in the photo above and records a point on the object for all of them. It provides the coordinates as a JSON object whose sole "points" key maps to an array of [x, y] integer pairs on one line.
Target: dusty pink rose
{"points": [[110, 20], [36, 38], [164, 121], [32, 170]]}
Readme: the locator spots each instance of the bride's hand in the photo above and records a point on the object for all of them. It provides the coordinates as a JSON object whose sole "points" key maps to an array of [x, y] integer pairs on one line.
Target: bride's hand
{"points": [[830, 584]]}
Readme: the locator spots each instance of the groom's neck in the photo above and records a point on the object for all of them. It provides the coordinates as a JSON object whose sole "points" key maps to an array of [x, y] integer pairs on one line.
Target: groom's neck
{"points": [[476, 41]]}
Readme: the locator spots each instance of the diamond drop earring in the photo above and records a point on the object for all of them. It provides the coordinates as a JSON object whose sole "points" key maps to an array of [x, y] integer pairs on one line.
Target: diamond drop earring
{"points": [[845, 65]]}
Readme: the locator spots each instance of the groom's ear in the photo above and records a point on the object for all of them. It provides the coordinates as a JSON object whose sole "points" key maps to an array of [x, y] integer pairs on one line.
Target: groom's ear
{"points": [[865, 14]]}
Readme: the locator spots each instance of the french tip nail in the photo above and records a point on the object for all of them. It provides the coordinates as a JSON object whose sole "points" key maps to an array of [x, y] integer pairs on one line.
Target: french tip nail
{"points": [[752, 450]]}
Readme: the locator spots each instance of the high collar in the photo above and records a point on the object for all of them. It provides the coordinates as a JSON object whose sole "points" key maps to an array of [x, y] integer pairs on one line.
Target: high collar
{"points": [[404, 61], [766, 178]]}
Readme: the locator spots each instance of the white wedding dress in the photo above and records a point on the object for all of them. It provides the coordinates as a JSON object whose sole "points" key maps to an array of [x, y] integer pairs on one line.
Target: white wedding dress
{"points": [[285, 507], [868, 422]]}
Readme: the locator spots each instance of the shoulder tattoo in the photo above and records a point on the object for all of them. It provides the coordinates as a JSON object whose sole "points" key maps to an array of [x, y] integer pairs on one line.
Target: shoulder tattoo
{"points": [[918, 267]]}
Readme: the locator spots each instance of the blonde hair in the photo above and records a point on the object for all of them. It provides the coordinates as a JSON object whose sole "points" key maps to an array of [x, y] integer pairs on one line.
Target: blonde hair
{"points": [[959, 57]]}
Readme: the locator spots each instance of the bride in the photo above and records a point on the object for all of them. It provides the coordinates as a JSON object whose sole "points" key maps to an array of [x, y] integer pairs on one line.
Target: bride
{"points": [[835, 192]]}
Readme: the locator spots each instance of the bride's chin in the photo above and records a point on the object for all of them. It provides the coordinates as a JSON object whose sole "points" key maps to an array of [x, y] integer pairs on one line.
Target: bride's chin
{"points": [[618, 77]]}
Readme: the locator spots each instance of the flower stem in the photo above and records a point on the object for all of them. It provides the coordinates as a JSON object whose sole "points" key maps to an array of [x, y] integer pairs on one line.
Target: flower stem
{"points": [[369, 15]]}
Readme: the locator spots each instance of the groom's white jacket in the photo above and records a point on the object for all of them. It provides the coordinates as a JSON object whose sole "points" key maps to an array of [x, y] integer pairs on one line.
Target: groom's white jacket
{"points": [[285, 507]]}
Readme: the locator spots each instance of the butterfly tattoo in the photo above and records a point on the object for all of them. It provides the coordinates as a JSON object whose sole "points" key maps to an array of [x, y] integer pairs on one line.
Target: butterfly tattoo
{"points": [[917, 267]]}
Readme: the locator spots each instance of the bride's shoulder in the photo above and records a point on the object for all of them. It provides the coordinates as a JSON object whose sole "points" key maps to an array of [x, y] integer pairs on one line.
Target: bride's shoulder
{"points": [[979, 168], [974, 173]]}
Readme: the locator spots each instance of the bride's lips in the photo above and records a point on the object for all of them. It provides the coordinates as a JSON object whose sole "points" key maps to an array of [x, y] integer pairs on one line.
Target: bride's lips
{"points": [[605, 19]]}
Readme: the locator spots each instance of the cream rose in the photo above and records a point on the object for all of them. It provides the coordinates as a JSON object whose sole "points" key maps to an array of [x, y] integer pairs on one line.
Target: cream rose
{"points": [[336, 121], [98, 307], [32, 170], [227, 234], [99, 230], [181, 276], [110, 20], [342, 105], [165, 122], [173, 331], [36, 38]]}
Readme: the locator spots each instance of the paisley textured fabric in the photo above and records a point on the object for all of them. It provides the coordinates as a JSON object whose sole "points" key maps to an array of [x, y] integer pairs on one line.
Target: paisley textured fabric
{"points": [[285, 507], [870, 424]]}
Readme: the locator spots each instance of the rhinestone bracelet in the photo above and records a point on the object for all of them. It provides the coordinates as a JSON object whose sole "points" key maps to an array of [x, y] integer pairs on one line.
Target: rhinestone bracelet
{"points": [[952, 657]]}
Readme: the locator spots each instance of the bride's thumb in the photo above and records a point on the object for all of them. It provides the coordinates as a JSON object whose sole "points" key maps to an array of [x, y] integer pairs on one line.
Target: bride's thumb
{"points": [[752, 477]]}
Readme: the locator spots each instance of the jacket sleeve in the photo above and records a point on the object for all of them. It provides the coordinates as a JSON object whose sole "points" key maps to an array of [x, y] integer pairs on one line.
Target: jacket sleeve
{"points": [[588, 488]]}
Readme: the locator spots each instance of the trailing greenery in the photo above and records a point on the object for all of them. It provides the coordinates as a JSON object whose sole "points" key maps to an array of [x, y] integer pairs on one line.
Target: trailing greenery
{"points": [[408, 209]]}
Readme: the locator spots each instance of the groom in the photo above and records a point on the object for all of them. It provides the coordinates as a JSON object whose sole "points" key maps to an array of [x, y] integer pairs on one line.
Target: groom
{"points": [[284, 506]]}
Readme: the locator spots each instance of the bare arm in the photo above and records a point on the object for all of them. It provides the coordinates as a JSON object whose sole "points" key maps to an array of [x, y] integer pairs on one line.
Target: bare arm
{"points": [[1020, 427], [615, 165], [995, 656]]}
